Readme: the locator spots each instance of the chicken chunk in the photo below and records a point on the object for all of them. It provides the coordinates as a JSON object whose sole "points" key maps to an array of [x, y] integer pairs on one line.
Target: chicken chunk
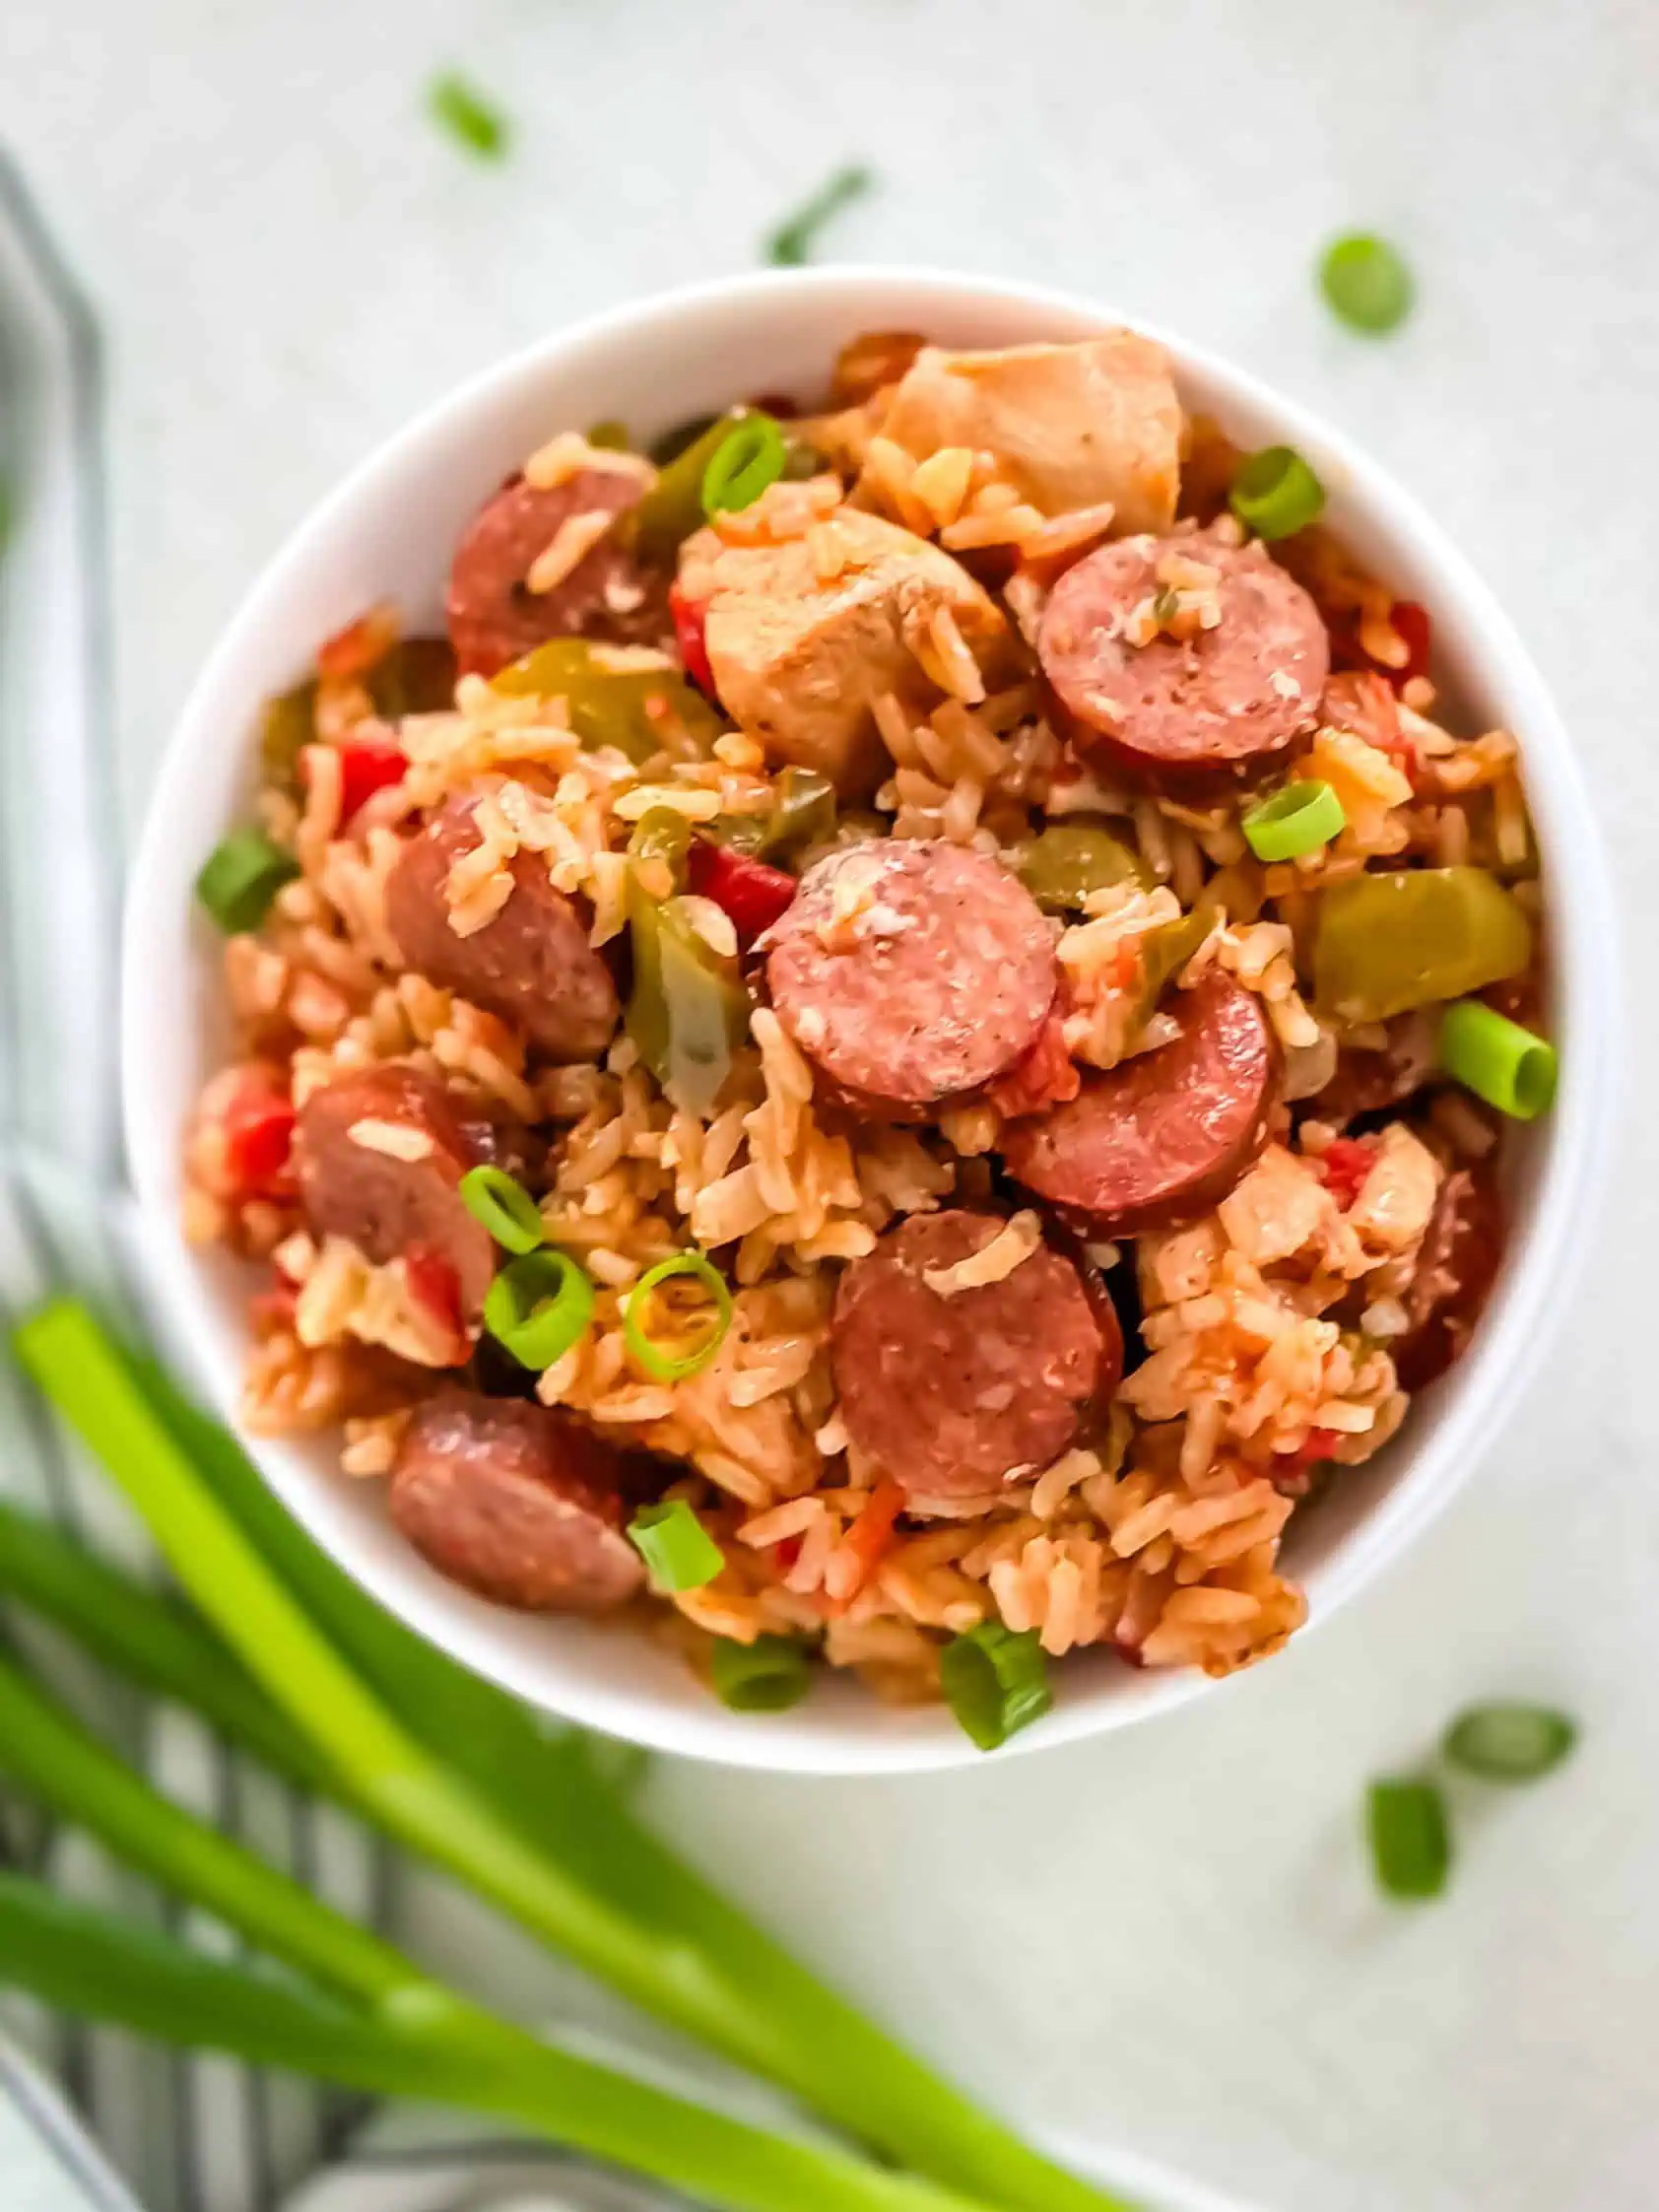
{"points": [[1070, 425], [803, 637]]}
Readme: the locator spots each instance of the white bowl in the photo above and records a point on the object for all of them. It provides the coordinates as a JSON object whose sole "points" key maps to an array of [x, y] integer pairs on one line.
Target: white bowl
{"points": [[387, 531]]}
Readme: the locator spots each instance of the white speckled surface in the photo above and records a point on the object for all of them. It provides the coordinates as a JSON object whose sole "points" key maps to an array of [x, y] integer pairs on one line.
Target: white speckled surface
{"points": [[1167, 1941]]}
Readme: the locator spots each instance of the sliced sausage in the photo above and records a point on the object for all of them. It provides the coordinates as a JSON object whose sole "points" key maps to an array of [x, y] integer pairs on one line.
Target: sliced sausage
{"points": [[1456, 1267], [531, 964], [517, 1502], [951, 1395], [495, 618], [381, 1153], [1225, 702], [911, 973], [1165, 1135]]}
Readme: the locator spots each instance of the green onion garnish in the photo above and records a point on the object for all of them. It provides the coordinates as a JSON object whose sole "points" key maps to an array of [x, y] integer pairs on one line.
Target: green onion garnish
{"points": [[1299, 819], [1411, 1846], [791, 242], [241, 877], [1498, 1060], [1509, 1743], [677, 1551], [471, 119], [504, 1207], [538, 1307], [709, 1329], [995, 1681], [1366, 283], [1276, 494], [770, 1675], [747, 460]]}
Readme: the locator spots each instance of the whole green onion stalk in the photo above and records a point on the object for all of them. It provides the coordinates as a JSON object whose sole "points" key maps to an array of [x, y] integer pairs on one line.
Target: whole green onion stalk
{"points": [[459, 1774]]}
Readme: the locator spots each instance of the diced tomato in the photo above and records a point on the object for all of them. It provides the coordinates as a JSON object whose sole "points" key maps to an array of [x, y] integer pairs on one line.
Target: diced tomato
{"points": [[257, 1122], [435, 1287], [352, 651], [1046, 1075], [1292, 1471], [275, 1307], [1410, 623], [1345, 1163], [366, 765], [689, 616], [750, 892]]}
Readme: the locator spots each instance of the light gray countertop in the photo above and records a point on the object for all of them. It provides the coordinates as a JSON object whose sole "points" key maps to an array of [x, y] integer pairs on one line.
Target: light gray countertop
{"points": [[1167, 1939]]}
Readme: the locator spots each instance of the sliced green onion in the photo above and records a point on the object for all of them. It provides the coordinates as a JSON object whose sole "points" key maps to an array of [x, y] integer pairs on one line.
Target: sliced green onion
{"points": [[1500, 1062], [241, 877], [1298, 819], [538, 1307], [1276, 494], [1366, 283], [995, 1681], [669, 1366], [791, 242], [770, 1675], [747, 459], [471, 119], [504, 1207], [1411, 1845], [677, 1551], [1509, 1743]]}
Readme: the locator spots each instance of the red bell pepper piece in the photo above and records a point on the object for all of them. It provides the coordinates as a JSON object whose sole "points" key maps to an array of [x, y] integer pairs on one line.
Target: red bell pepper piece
{"points": [[750, 892], [258, 1125], [1346, 1162], [689, 616]]}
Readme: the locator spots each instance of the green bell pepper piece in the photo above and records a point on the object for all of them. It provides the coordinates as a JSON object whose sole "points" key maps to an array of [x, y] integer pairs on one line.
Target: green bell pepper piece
{"points": [[1389, 942]]}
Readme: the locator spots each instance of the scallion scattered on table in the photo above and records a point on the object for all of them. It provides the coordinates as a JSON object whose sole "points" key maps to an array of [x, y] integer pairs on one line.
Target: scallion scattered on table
{"points": [[1366, 283], [1411, 1843], [471, 118], [792, 241], [1509, 1743]]}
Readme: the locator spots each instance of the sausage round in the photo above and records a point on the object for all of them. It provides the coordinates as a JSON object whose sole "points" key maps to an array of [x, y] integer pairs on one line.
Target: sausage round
{"points": [[911, 973], [515, 1501], [1164, 1135], [952, 1396], [1456, 1266], [495, 618], [1226, 703], [531, 964], [384, 1204]]}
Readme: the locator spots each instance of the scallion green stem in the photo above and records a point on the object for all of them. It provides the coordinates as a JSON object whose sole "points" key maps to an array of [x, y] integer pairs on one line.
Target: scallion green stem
{"points": [[470, 1779], [98, 1967], [147, 1639]]}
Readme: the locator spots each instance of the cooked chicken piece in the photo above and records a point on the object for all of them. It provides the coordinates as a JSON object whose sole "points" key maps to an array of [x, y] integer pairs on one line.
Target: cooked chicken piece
{"points": [[803, 637], [1069, 425]]}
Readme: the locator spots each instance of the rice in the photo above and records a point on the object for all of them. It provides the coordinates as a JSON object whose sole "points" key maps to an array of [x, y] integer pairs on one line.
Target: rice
{"points": [[1270, 1323]]}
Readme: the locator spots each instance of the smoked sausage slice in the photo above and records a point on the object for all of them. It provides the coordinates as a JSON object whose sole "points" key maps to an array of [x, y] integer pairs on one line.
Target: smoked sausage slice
{"points": [[517, 1502], [495, 618], [1220, 702], [531, 964], [953, 1392], [381, 1153], [910, 973], [1162, 1136]]}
